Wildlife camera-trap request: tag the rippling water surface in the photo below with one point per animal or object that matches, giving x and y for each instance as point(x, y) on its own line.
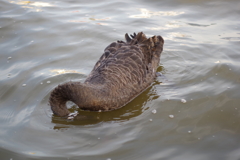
point(197, 105)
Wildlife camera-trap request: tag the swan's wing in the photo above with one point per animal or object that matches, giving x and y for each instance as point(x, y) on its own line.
point(109, 52)
point(128, 63)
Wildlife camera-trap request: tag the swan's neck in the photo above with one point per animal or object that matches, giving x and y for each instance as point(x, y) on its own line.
point(84, 95)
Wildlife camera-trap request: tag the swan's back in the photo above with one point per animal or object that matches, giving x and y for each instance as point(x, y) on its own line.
point(127, 68)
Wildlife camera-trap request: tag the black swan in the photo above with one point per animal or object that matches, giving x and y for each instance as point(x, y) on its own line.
point(124, 71)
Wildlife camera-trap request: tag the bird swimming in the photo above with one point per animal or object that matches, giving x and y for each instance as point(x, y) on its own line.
point(124, 71)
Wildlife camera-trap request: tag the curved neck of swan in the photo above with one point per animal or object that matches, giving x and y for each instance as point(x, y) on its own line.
point(79, 93)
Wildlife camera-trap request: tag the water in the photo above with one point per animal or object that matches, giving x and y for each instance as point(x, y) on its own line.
point(196, 106)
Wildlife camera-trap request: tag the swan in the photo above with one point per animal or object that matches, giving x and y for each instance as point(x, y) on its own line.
point(124, 71)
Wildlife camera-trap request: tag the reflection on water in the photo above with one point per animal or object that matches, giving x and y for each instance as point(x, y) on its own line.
point(90, 19)
point(167, 26)
point(35, 6)
point(31, 3)
point(148, 14)
point(232, 38)
point(63, 71)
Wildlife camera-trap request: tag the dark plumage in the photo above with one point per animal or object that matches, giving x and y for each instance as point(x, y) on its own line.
point(123, 71)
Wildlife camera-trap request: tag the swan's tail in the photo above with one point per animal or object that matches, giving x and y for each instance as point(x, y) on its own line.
point(152, 45)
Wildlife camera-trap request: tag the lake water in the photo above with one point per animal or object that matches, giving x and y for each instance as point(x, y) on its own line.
point(192, 113)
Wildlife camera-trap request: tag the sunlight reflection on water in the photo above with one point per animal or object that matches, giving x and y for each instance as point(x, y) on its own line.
point(148, 14)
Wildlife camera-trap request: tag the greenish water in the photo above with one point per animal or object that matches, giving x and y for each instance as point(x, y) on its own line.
point(43, 44)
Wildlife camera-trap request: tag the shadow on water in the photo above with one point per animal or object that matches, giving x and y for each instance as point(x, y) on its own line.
point(131, 110)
